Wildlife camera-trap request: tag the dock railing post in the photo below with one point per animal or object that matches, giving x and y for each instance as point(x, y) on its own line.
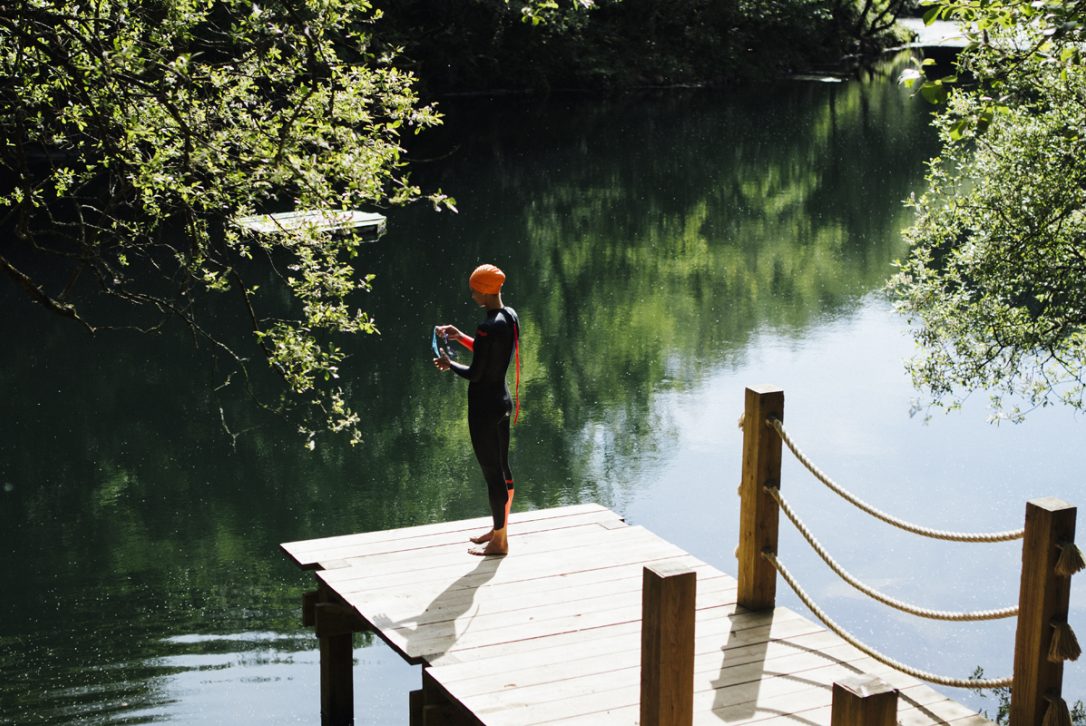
point(668, 602)
point(1043, 599)
point(758, 512)
point(863, 701)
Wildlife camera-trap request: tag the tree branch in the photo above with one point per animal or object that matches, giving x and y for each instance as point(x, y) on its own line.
point(38, 294)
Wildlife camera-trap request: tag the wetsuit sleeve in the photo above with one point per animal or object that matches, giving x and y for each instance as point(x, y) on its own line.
point(482, 348)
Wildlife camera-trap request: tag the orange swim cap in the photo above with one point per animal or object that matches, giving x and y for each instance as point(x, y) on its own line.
point(487, 279)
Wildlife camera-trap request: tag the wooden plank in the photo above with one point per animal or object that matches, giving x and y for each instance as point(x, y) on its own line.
point(531, 591)
point(917, 695)
point(800, 693)
point(781, 693)
point(305, 553)
point(481, 627)
point(589, 583)
point(752, 648)
point(462, 570)
point(422, 530)
point(434, 604)
point(779, 696)
point(553, 545)
point(789, 712)
point(790, 709)
point(740, 629)
point(620, 688)
point(475, 573)
point(944, 711)
point(452, 537)
point(504, 628)
point(487, 577)
point(711, 669)
point(458, 539)
point(718, 591)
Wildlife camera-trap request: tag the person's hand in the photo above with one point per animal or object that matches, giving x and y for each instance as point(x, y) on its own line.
point(442, 363)
point(449, 331)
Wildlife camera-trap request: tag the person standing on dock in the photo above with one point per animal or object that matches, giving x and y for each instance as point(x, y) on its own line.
point(496, 343)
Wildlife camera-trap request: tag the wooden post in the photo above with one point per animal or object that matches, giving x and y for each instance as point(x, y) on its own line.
point(435, 706)
point(863, 701)
point(1043, 598)
point(414, 708)
point(309, 601)
point(758, 512)
point(335, 625)
point(668, 597)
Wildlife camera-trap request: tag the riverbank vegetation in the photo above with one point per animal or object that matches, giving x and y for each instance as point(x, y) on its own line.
point(135, 131)
point(593, 44)
point(995, 285)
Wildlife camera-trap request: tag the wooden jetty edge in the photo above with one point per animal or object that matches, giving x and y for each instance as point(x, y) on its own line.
point(588, 621)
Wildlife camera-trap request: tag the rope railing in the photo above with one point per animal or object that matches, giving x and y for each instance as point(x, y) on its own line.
point(1049, 558)
point(1007, 536)
point(875, 594)
point(974, 683)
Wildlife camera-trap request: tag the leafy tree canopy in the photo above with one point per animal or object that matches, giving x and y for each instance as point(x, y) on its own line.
point(135, 130)
point(995, 285)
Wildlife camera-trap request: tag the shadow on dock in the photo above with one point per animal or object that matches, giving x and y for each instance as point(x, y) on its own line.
point(439, 625)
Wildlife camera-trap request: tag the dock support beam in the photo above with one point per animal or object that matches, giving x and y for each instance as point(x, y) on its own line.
point(1043, 599)
point(335, 625)
point(668, 602)
point(431, 706)
point(758, 512)
point(863, 701)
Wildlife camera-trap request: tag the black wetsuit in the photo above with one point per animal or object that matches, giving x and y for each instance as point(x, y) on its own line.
point(489, 405)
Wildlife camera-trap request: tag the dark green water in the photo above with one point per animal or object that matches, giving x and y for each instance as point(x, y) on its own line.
point(664, 251)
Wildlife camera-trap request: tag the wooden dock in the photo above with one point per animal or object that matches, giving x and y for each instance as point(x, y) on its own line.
point(552, 633)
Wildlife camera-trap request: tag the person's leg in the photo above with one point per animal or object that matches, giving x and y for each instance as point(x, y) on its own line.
point(486, 441)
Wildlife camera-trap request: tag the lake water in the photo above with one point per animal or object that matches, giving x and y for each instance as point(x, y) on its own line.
point(664, 251)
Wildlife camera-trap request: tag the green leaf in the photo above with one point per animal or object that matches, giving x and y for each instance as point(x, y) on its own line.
point(934, 92)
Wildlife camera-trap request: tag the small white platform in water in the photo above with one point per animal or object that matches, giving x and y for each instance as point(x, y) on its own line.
point(324, 220)
point(939, 34)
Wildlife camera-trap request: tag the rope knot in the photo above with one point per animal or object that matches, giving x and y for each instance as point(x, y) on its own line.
point(1070, 561)
point(1057, 713)
point(1064, 644)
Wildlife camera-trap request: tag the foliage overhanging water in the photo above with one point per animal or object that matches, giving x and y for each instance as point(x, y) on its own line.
point(664, 251)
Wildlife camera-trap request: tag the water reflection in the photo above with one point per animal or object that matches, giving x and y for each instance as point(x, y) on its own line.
point(663, 250)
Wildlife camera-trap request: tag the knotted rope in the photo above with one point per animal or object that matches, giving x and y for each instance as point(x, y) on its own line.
point(875, 594)
point(1007, 536)
point(975, 683)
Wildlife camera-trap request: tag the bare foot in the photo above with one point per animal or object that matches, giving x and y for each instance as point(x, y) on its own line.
point(483, 538)
point(493, 549)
